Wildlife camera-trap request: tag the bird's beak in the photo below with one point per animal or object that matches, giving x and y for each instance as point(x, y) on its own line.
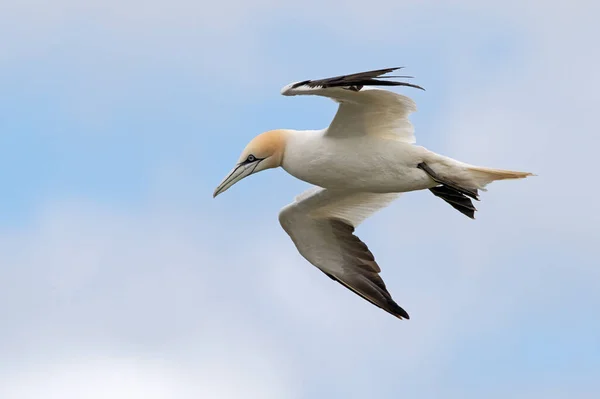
point(241, 171)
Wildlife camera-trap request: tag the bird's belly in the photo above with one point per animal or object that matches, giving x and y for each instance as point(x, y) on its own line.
point(373, 180)
point(381, 169)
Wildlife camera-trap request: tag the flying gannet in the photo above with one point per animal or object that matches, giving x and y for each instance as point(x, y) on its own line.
point(360, 164)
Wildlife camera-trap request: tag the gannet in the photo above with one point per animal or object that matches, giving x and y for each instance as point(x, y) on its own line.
point(358, 165)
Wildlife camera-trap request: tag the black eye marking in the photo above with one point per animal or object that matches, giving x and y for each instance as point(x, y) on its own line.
point(251, 159)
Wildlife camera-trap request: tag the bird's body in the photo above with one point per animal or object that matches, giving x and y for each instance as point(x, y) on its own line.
point(360, 163)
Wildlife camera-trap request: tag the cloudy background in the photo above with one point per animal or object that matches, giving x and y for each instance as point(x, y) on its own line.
point(120, 276)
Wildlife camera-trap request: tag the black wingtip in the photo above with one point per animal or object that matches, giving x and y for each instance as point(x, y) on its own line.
point(398, 77)
point(386, 69)
point(356, 81)
point(397, 311)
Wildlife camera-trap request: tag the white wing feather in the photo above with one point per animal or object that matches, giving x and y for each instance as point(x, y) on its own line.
point(321, 223)
point(369, 111)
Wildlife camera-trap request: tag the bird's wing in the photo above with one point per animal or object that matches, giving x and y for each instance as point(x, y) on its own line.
point(362, 109)
point(321, 224)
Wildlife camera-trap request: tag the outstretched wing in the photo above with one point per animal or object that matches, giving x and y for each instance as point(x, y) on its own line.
point(321, 224)
point(363, 109)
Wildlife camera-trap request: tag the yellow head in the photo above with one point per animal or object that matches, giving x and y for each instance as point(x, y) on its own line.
point(265, 151)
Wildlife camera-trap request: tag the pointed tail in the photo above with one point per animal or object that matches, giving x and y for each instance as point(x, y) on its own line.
point(459, 182)
point(481, 176)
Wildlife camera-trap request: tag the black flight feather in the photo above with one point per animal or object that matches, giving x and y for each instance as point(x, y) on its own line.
point(356, 81)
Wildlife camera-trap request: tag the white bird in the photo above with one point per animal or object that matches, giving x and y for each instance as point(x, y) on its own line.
point(360, 163)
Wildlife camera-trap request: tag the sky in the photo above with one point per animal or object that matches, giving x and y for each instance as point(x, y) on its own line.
point(121, 276)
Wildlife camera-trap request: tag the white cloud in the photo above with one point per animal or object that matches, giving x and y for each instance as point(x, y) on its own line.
point(102, 376)
point(88, 294)
point(170, 301)
point(230, 38)
point(91, 290)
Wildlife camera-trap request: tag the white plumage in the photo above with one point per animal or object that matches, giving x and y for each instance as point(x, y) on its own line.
point(360, 163)
point(370, 111)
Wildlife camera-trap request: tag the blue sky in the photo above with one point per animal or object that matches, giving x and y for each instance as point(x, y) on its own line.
point(120, 276)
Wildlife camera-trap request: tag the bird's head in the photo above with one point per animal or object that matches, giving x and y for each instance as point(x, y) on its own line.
point(265, 151)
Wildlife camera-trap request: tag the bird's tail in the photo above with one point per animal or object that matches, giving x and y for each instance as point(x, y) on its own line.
point(481, 177)
point(458, 182)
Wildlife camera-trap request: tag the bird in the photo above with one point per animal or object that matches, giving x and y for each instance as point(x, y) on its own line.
point(364, 160)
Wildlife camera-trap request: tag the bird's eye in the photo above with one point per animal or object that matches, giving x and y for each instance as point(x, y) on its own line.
point(251, 158)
